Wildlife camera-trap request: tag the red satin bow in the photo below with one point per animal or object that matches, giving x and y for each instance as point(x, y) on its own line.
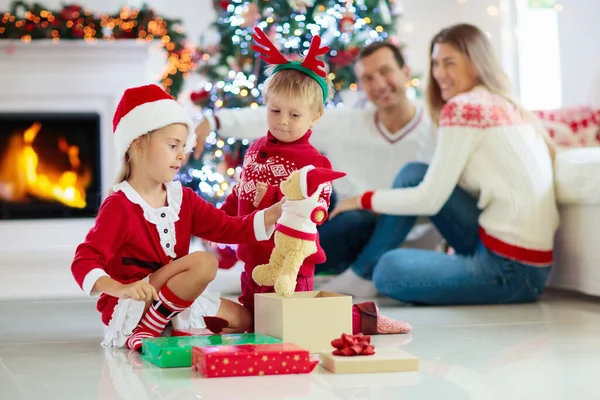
point(353, 345)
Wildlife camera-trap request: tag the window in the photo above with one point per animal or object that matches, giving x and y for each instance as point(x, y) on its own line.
point(538, 53)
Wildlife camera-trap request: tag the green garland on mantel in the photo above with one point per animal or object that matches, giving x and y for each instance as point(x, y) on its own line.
point(34, 21)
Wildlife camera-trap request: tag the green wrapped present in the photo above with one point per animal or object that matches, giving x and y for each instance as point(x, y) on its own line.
point(176, 351)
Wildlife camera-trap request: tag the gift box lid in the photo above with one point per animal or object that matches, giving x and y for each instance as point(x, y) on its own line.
point(175, 351)
point(254, 349)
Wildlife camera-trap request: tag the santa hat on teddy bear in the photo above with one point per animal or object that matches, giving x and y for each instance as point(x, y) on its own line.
point(144, 109)
point(313, 179)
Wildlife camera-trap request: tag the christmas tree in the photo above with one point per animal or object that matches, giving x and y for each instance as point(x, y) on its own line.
point(234, 74)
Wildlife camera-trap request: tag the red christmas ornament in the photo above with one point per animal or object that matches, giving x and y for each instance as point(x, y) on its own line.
point(346, 23)
point(345, 57)
point(199, 96)
point(70, 13)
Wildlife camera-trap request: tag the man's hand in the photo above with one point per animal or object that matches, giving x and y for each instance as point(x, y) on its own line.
point(202, 132)
point(349, 204)
point(261, 190)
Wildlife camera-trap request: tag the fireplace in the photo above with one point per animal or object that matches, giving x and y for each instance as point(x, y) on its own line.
point(49, 165)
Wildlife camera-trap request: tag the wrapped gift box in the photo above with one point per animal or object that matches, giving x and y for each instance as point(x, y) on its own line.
point(384, 360)
point(176, 351)
point(308, 319)
point(250, 360)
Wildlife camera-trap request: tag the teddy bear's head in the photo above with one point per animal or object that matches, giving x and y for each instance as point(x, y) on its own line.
point(308, 182)
point(290, 187)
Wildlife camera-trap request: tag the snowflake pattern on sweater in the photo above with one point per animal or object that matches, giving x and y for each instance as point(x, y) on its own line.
point(479, 109)
point(271, 161)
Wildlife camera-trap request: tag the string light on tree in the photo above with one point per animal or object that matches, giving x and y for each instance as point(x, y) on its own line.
point(234, 75)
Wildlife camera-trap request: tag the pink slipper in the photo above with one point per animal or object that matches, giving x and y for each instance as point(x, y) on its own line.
point(366, 319)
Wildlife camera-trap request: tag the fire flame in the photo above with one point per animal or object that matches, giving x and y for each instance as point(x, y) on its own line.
point(23, 174)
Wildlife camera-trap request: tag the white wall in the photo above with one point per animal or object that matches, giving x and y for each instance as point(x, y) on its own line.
point(427, 17)
point(579, 41)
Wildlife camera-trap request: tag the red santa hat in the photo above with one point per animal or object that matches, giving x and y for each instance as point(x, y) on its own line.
point(312, 178)
point(146, 108)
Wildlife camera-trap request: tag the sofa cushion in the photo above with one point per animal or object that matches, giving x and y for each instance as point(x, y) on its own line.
point(577, 176)
point(572, 126)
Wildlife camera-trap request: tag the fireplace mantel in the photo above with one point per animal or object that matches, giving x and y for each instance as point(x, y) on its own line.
point(68, 76)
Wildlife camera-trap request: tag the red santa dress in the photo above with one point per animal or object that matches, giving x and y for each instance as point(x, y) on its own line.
point(130, 240)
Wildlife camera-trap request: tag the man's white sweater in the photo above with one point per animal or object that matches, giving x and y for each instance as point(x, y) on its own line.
point(354, 141)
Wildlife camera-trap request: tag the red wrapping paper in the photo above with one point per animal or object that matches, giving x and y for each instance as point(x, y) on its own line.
point(250, 360)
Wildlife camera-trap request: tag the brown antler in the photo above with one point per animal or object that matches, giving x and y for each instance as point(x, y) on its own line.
point(267, 50)
point(311, 62)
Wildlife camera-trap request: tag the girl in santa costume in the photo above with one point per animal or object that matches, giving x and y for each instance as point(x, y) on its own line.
point(136, 257)
point(295, 95)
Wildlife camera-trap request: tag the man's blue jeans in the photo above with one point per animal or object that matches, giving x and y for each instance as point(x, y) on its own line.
point(344, 237)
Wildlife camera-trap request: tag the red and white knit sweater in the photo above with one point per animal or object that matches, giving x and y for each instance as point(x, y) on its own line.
point(271, 161)
point(485, 146)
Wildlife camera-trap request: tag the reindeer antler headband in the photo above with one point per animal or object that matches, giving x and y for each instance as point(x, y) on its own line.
point(311, 66)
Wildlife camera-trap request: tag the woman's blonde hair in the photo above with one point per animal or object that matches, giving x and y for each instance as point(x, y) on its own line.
point(296, 84)
point(475, 45)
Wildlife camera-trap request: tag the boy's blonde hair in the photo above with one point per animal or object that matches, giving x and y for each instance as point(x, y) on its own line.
point(296, 84)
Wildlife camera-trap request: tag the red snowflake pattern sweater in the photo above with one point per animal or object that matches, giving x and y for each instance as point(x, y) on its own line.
point(271, 161)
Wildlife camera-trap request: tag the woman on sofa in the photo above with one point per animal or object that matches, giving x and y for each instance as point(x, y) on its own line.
point(489, 190)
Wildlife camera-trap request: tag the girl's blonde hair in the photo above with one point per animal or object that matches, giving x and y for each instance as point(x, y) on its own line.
point(475, 45)
point(296, 84)
point(125, 170)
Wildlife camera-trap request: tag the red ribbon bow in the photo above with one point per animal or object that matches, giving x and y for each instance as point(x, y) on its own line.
point(353, 345)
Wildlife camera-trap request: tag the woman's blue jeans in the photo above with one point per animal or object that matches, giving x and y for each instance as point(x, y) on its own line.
point(474, 275)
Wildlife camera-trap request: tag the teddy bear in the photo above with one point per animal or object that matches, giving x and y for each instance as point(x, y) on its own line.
point(296, 230)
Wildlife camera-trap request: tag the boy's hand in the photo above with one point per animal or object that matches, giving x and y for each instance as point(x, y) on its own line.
point(261, 190)
point(139, 291)
point(202, 131)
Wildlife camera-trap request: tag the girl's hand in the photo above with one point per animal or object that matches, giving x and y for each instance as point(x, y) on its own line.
point(349, 204)
point(139, 291)
point(273, 213)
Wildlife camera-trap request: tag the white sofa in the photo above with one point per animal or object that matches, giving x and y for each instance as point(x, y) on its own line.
point(577, 168)
point(577, 265)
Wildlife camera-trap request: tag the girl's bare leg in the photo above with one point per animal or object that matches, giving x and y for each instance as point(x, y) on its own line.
point(178, 284)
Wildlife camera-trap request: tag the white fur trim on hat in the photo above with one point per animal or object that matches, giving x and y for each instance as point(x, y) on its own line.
point(304, 180)
point(148, 117)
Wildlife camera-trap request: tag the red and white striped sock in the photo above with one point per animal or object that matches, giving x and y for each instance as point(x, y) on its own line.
point(157, 317)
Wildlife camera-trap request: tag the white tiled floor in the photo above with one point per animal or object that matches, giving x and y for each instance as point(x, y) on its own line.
point(549, 350)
